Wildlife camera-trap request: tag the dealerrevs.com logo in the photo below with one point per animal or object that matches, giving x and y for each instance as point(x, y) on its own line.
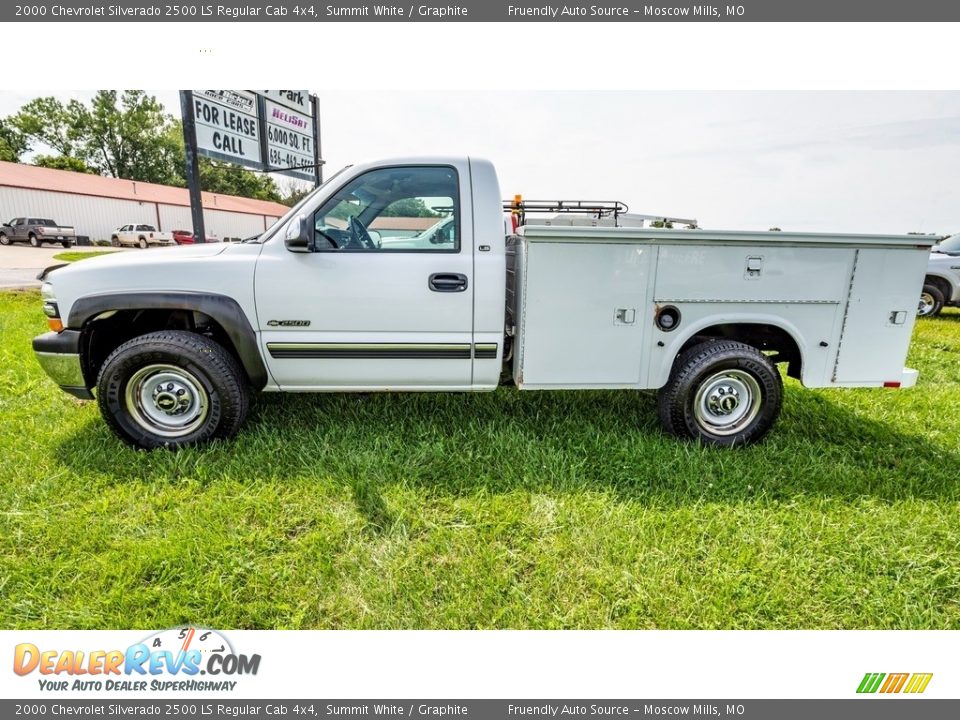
point(180, 659)
point(890, 683)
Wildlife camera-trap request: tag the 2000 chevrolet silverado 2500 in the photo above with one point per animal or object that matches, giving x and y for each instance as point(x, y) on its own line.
point(173, 345)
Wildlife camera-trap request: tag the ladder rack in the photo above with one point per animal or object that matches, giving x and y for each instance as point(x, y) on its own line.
point(614, 210)
point(595, 208)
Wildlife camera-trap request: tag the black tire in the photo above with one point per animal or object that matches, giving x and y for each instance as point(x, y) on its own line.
point(35, 241)
point(931, 301)
point(66, 244)
point(210, 377)
point(115, 241)
point(4, 240)
point(718, 381)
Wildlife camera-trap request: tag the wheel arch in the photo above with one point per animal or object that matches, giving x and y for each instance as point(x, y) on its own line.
point(107, 320)
point(942, 283)
point(762, 332)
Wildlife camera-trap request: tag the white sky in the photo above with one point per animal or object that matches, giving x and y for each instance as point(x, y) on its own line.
point(845, 161)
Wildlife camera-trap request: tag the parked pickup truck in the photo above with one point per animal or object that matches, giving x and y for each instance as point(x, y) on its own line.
point(941, 286)
point(171, 348)
point(36, 231)
point(140, 235)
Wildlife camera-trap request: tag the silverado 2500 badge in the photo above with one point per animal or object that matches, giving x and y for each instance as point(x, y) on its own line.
point(288, 323)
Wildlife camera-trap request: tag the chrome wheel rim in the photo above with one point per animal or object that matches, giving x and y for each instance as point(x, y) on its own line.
point(166, 400)
point(727, 402)
point(926, 304)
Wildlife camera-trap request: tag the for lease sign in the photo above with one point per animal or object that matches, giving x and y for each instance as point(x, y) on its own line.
point(228, 126)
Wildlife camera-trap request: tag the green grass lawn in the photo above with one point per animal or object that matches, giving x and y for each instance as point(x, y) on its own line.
point(74, 255)
point(522, 510)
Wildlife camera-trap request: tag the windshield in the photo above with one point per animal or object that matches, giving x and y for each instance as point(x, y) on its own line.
point(951, 245)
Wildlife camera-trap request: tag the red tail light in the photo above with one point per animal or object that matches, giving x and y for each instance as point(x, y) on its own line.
point(892, 384)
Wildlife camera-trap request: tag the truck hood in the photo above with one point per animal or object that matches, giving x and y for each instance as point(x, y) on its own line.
point(208, 268)
point(142, 258)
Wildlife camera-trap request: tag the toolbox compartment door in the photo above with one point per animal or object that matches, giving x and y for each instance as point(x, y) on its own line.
point(585, 313)
point(880, 316)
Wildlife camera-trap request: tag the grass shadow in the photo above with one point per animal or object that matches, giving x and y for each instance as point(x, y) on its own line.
point(594, 441)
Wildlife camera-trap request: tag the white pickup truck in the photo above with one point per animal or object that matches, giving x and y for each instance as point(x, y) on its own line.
point(140, 235)
point(173, 347)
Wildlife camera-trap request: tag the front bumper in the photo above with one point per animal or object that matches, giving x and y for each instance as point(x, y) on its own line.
point(59, 356)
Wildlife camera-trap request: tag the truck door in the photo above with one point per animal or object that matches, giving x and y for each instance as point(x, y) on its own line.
point(385, 300)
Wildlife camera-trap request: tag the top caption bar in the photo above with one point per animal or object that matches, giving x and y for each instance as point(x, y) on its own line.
point(485, 11)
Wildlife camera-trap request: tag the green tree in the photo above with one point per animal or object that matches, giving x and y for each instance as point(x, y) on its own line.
point(48, 121)
point(63, 162)
point(123, 134)
point(409, 207)
point(13, 143)
point(293, 194)
point(127, 135)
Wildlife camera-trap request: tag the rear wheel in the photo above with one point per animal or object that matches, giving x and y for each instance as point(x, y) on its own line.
point(34, 241)
point(143, 243)
point(66, 244)
point(721, 392)
point(931, 301)
point(4, 240)
point(171, 389)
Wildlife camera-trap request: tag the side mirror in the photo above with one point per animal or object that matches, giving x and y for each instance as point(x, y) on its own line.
point(298, 236)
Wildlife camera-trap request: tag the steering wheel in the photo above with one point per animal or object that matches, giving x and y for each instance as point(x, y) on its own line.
point(360, 234)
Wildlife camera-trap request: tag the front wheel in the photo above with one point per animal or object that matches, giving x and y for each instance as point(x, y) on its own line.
point(172, 389)
point(931, 301)
point(115, 241)
point(721, 392)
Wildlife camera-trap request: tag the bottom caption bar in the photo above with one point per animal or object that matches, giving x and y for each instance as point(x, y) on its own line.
point(874, 708)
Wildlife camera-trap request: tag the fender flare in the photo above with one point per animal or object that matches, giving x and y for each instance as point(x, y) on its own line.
point(735, 319)
point(939, 275)
point(225, 310)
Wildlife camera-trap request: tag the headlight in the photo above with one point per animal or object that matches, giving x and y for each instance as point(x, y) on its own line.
point(46, 291)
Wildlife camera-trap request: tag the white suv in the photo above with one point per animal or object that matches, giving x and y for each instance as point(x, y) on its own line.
point(941, 287)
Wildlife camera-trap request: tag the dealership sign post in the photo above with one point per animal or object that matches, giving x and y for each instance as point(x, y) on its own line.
point(264, 130)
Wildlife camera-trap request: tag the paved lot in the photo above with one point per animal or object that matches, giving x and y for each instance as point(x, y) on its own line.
point(19, 264)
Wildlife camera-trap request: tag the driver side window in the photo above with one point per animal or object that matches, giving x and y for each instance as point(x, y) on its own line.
point(398, 209)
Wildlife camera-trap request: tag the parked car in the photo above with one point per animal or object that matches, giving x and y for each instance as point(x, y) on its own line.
point(36, 231)
point(185, 237)
point(941, 286)
point(140, 235)
point(174, 345)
